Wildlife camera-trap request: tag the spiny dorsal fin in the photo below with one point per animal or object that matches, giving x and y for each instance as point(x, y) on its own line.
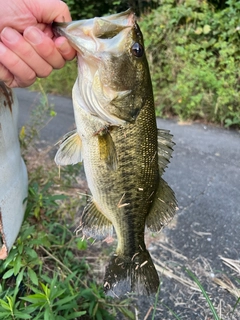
point(70, 151)
point(94, 223)
point(163, 207)
point(107, 150)
point(165, 145)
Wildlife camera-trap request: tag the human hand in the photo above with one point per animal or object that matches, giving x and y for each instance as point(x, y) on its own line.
point(28, 48)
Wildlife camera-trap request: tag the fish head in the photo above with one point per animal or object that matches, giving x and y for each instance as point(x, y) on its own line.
point(113, 75)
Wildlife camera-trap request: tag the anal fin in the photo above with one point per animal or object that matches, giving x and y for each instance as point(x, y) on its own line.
point(163, 207)
point(70, 151)
point(94, 223)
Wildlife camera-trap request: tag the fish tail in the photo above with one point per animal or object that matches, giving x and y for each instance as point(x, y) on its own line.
point(135, 274)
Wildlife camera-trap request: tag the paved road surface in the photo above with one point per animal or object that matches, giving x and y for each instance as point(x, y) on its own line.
point(205, 175)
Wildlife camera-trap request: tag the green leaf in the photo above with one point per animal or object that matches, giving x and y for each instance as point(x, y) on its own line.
point(88, 294)
point(33, 276)
point(199, 30)
point(65, 300)
point(45, 289)
point(206, 29)
point(56, 293)
point(20, 248)
point(4, 315)
point(48, 315)
point(82, 244)
point(76, 315)
point(22, 315)
point(31, 253)
point(5, 305)
point(8, 274)
point(38, 299)
point(129, 314)
point(20, 277)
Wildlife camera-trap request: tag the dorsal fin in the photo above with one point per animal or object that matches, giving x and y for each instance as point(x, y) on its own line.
point(165, 145)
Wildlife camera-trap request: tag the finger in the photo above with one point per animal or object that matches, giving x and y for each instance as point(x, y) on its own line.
point(47, 11)
point(44, 46)
point(5, 75)
point(23, 75)
point(17, 44)
point(45, 28)
point(64, 48)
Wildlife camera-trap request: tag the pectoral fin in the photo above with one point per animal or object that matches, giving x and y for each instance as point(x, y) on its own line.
point(163, 207)
point(70, 151)
point(165, 145)
point(94, 223)
point(107, 150)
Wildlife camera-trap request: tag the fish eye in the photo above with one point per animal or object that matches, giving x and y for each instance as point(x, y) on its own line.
point(137, 50)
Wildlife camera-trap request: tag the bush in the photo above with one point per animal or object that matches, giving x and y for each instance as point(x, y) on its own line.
point(193, 52)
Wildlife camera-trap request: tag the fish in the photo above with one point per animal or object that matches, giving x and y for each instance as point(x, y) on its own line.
point(123, 153)
point(13, 172)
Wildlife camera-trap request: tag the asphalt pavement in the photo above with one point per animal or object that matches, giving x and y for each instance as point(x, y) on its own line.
point(205, 174)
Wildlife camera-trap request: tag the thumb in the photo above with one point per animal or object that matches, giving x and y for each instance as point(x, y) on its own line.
point(47, 11)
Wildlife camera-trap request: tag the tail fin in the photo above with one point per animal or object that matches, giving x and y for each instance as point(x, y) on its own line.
point(135, 274)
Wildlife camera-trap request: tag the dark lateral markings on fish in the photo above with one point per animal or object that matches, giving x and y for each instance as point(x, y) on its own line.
point(123, 152)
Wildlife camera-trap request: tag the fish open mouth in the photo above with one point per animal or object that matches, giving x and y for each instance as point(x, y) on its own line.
point(98, 41)
point(92, 35)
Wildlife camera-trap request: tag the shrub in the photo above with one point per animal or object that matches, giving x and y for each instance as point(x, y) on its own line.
point(193, 52)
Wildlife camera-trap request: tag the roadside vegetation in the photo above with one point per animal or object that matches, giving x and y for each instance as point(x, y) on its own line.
point(193, 53)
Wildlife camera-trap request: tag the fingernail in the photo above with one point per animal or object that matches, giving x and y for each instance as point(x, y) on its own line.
point(33, 35)
point(10, 35)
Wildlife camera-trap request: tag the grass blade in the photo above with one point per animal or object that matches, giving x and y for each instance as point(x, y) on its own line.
point(156, 300)
point(171, 311)
point(195, 279)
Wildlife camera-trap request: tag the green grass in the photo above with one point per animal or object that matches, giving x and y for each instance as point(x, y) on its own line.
point(195, 279)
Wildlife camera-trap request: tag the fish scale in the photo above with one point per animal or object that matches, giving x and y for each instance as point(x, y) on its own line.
point(123, 152)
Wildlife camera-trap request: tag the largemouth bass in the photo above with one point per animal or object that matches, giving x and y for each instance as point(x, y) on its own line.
point(13, 172)
point(124, 154)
